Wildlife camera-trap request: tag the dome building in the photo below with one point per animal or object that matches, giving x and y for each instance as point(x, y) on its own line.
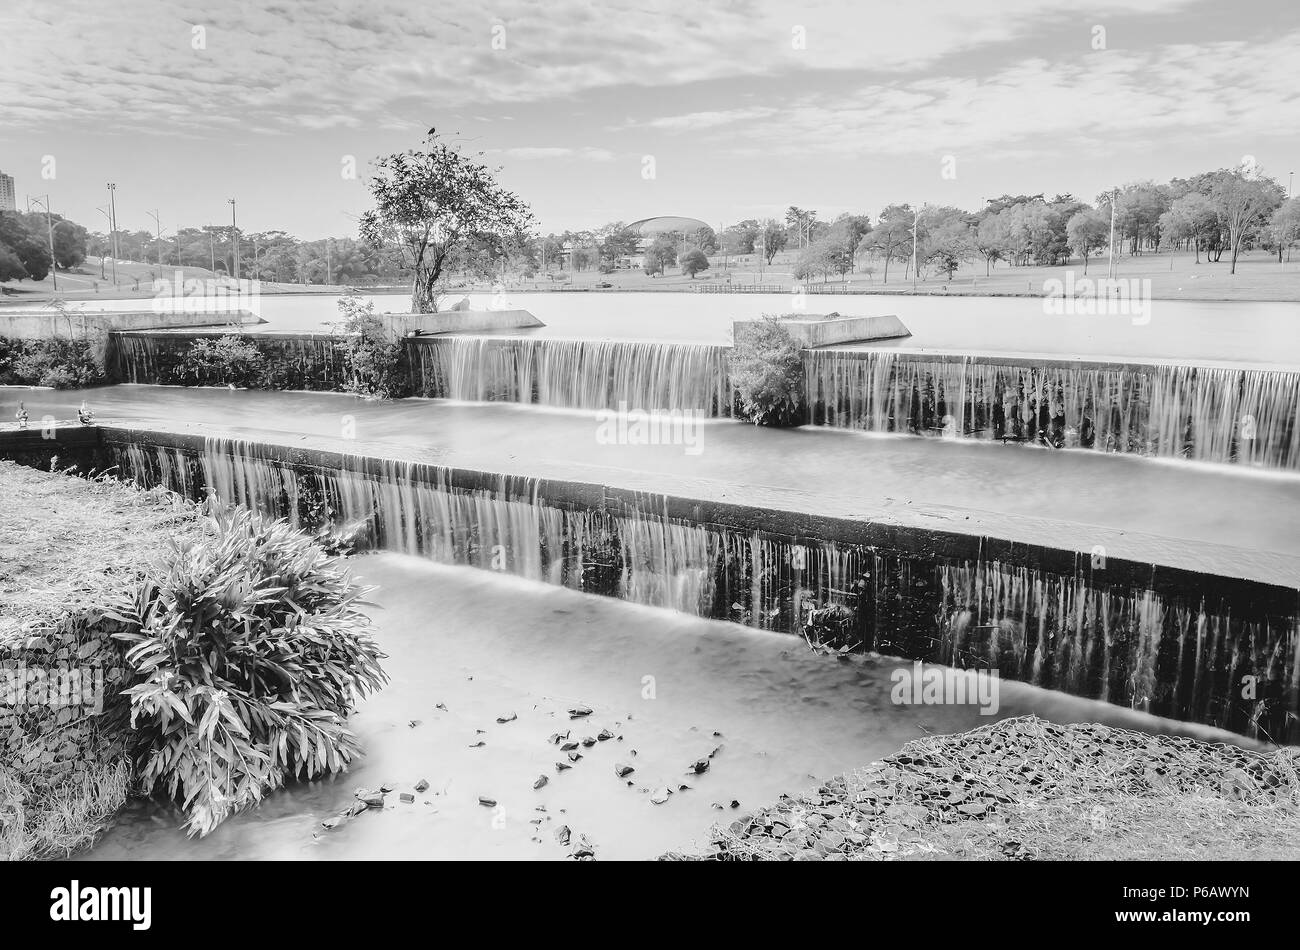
point(647, 229)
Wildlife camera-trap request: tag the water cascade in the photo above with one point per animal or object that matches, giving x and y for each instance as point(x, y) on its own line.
point(1211, 414)
point(1181, 654)
point(575, 374)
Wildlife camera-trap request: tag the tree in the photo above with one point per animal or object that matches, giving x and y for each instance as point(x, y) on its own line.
point(1286, 225)
point(1087, 231)
point(740, 237)
point(428, 202)
point(1191, 217)
point(11, 268)
point(774, 239)
point(993, 239)
point(31, 249)
point(694, 261)
point(892, 235)
point(849, 230)
point(1243, 204)
point(661, 253)
point(948, 242)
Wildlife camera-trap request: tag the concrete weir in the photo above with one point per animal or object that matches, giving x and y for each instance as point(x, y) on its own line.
point(1166, 640)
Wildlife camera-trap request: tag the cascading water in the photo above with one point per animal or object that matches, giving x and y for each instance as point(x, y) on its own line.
point(1211, 414)
point(575, 374)
point(1182, 655)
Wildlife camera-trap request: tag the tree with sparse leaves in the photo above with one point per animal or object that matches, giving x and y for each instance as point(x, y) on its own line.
point(428, 202)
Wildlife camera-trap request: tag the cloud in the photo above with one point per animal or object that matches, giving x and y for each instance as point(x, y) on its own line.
point(531, 152)
point(146, 64)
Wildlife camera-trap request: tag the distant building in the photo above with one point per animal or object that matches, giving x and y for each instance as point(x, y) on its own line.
point(647, 229)
point(8, 197)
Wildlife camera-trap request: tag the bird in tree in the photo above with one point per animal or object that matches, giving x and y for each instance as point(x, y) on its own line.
point(433, 203)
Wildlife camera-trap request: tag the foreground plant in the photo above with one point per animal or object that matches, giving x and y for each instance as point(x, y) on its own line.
point(251, 650)
point(371, 361)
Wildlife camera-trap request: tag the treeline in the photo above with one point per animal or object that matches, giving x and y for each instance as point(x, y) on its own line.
point(1213, 213)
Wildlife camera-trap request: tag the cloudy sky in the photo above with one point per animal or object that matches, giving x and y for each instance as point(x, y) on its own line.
point(744, 106)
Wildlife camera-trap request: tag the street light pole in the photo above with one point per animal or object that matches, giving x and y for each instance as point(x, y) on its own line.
point(234, 235)
point(157, 230)
point(54, 267)
point(112, 218)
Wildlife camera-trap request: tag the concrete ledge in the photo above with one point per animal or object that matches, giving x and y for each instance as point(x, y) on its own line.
point(828, 329)
point(79, 324)
point(459, 321)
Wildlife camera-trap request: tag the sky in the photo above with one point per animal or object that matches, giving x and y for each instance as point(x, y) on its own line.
point(603, 111)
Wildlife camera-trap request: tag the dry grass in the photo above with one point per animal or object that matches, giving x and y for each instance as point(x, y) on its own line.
point(63, 540)
point(1026, 789)
point(58, 823)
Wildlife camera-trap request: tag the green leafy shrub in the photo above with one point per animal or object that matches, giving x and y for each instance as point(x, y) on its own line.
point(372, 362)
point(227, 360)
point(58, 363)
point(249, 651)
point(767, 372)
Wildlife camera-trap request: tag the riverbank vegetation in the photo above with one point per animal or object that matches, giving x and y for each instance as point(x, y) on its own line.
point(1026, 789)
point(227, 649)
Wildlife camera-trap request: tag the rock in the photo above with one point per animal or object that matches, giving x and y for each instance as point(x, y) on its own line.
point(622, 769)
point(386, 788)
point(331, 823)
point(561, 766)
point(735, 804)
point(414, 723)
point(604, 735)
point(407, 798)
point(575, 756)
point(370, 798)
point(715, 752)
point(442, 706)
point(577, 712)
point(701, 766)
point(422, 785)
point(568, 746)
point(682, 787)
point(588, 741)
point(541, 780)
point(478, 745)
point(660, 795)
point(562, 834)
point(511, 718)
point(487, 802)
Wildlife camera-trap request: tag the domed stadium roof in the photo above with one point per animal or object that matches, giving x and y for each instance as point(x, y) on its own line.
point(653, 227)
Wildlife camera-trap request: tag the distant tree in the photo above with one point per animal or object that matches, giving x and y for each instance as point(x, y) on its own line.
point(11, 268)
point(661, 253)
point(430, 200)
point(31, 249)
point(849, 230)
point(948, 241)
point(774, 239)
point(1191, 217)
point(992, 239)
point(740, 237)
point(1286, 225)
point(693, 262)
point(1243, 205)
point(1088, 231)
point(892, 235)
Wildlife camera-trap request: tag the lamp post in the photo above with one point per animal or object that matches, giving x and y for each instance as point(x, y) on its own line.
point(234, 236)
point(49, 228)
point(157, 229)
point(112, 218)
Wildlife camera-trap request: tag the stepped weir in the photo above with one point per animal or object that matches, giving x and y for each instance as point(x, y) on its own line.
point(1173, 643)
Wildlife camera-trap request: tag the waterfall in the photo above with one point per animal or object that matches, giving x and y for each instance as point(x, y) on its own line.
point(576, 374)
point(1178, 654)
point(1211, 414)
